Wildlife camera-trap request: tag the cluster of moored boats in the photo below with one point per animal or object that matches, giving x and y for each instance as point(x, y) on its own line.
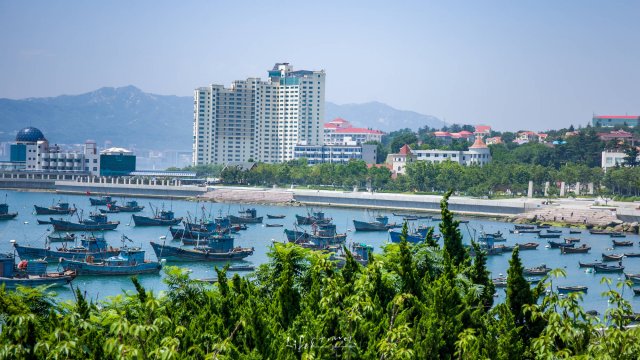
point(571, 245)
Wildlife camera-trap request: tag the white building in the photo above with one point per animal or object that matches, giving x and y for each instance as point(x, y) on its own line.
point(613, 158)
point(478, 154)
point(259, 120)
point(336, 154)
point(340, 131)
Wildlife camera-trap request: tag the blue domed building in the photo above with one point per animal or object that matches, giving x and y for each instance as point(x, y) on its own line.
point(30, 135)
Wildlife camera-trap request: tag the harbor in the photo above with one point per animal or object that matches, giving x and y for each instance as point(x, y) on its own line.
point(258, 237)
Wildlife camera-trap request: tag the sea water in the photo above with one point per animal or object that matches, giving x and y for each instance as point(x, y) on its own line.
point(25, 230)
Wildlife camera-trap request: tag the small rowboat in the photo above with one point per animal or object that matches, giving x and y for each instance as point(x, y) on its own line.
point(555, 245)
point(554, 231)
point(608, 268)
point(617, 235)
point(571, 289)
point(528, 246)
point(612, 257)
point(273, 225)
point(634, 278)
point(410, 218)
point(579, 250)
point(589, 265)
point(622, 243)
point(631, 255)
point(549, 236)
point(575, 231)
point(276, 216)
point(523, 227)
point(572, 240)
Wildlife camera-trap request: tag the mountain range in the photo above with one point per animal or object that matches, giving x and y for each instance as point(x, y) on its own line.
point(128, 117)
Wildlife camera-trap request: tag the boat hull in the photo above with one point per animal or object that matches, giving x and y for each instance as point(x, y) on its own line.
point(8, 216)
point(395, 237)
point(372, 226)
point(172, 253)
point(241, 220)
point(52, 256)
point(48, 280)
point(276, 216)
point(47, 211)
point(147, 221)
point(84, 268)
point(61, 225)
point(608, 269)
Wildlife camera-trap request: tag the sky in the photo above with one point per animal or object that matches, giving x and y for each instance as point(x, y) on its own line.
point(509, 64)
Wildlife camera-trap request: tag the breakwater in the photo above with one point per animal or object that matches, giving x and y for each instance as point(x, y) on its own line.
point(157, 190)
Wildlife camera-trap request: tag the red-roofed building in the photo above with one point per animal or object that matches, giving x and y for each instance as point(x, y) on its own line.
point(483, 130)
point(494, 140)
point(529, 136)
point(620, 135)
point(340, 131)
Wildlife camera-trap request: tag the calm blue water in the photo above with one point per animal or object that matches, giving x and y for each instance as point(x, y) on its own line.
point(25, 230)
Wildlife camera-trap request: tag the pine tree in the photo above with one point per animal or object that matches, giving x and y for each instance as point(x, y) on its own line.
point(480, 275)
point(452, 238)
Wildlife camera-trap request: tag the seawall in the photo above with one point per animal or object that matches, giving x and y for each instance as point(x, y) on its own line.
point(157, 191)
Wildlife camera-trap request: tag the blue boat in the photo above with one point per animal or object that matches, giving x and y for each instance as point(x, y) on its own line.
point(162, 218)
point(380, 224)
point(359, 251)
point(96, 222)
point(130, 261)
point(129, 206)
point(206, 241)
point(249, 216)
point(96, 247)
point(217, 249)
point(102, 201)
point(313, 218)
point(414, 238)
point(30, 273)
point(321, 234)
point(59, 209)
point(180, 234)
point(5, 214)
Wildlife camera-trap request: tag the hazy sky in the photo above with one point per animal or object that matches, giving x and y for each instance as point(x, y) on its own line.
point(510, 64)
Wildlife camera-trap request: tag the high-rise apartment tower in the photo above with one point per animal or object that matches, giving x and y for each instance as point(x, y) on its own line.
point(259, 120)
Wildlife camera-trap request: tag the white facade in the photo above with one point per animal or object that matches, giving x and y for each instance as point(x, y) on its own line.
point(41, 156)
point(469, 157)
point(259, 120)
point(336, 154)
point(612, 159)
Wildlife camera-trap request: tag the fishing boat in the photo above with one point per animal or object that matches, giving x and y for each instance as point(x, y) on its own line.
point(575, 231)
point(110, 210)
point(608, 268)
point(634, 278)
point(321, 235)
point(602, 232)
point(499, 282)
point(161, 218)
point(612, 257)
point(179, 234)
point(273, 225)
point(129, 206)
point(537, 271)
point(571, 289)
point(528, 246)
point(241, 268)
point(96, 222)
point(381, 223)
point(44, 222)
point(504, 248)
point(415, 237)
point(205, 240)
point(419, 217)
point(495, 237)
point(30, 273)
point(5, 214)
point(317, 217)
point(359, 251)
point(617, 235)
point(59, 209)
point(589, 265)
point(66, 238)
point(276, 216)
point(584, 248)
point(556, 245)
point(571, 239)
point(214, 251)
point(130, 261)
point(409, 218)
point(102, 201)
point(248, 216)
point(622, 243)
point(549, 231)
point(524, 227)
point(549, 236)
point(89, 246)
point(525, 231)
point(631, 255)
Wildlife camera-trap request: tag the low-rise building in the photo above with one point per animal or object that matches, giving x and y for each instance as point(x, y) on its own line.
point(336, 154)
point(613, 157)
point(478, 154)
point(339, 131)
point(617, 135)
point(615, 120)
